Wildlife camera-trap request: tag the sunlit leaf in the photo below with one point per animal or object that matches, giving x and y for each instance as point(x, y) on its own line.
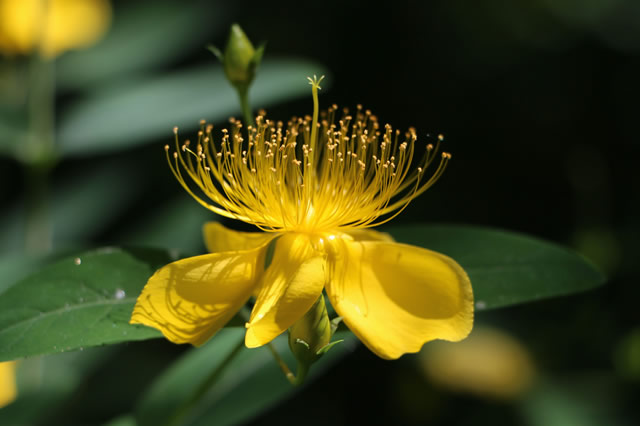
point(251, 384)
point(132, 113)
point(77, 302)
point(14, 267)
point(505, 268)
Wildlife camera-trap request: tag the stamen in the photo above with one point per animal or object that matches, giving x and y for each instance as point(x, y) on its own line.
point(321, 173)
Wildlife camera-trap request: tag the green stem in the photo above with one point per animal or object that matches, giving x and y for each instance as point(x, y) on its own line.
point(292, 378)
point(39, 153)
point(243, 94)
point(302, 371)
point(181, 412)
point(37, 220)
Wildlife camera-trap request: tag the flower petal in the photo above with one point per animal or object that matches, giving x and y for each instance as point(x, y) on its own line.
point(218, 239)
point(396, 297)
point(290, 286)
point(191, 299)
point(8, 389)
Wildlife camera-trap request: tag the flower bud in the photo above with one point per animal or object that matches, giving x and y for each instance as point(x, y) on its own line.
point(239, 59)
point(309, 337)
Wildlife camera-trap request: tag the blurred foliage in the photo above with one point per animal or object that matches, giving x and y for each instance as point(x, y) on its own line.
point(124, 115)
point(537, 100)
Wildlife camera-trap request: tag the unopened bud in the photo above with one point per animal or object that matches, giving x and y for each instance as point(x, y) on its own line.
point(310, 334)
point(240, 59)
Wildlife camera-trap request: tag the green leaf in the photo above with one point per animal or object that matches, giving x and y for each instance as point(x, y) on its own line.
point(135, 112)
point(144, 35)
point(252, 383)
point(505, 268)
point(77, 302)
point(15, 267)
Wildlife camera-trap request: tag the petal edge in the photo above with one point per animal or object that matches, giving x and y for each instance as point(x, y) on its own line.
point(396, 297)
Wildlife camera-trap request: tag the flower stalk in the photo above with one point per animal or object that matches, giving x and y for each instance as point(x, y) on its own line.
point(38, 154)
point(240, 61)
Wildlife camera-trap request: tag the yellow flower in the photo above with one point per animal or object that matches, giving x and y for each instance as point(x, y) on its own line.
point(489, 363)
point(52, 26)
point(8, 389)
point(316, 187)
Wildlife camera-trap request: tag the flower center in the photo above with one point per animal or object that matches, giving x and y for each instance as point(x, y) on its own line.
point(314, 175)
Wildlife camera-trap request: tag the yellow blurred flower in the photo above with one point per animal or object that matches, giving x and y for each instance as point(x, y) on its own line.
point(8, 389)
point(51, 26)
point(489, 363)
point(316, 188)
